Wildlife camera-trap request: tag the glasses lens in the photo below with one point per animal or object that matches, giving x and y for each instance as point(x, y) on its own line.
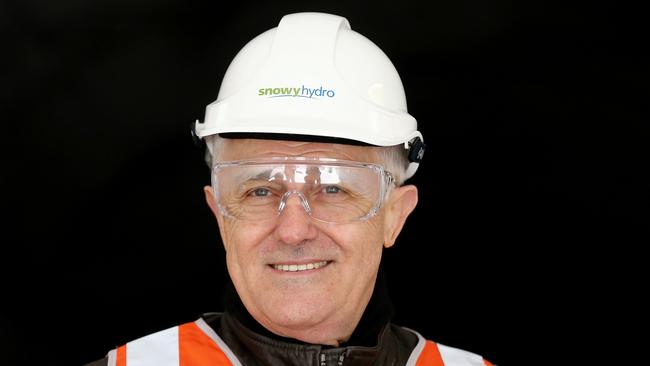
point(333, 193)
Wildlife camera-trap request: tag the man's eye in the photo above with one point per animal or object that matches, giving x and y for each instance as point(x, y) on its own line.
point(261, 192)
point(332, 189)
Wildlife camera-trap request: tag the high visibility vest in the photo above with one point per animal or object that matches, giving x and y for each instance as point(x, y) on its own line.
point(197, 344)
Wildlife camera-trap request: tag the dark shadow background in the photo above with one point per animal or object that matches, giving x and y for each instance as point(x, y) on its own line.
point(533, 195)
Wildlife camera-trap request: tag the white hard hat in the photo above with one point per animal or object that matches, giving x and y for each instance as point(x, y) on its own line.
point(314, 76)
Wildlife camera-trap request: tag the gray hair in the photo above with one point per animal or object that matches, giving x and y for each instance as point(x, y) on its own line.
point(394, 159)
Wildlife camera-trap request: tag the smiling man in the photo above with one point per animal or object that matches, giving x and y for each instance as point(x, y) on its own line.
point(303, 231)
point(307, 189)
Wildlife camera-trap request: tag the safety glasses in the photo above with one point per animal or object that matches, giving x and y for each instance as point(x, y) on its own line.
point(329, 190)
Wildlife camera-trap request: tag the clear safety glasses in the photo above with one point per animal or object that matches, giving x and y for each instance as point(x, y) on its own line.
point(329, 190)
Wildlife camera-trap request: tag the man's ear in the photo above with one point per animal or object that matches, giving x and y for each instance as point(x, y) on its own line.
point(400, 204)
point(209, 198)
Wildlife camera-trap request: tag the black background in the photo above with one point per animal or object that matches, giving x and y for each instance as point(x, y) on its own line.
point(533, 195)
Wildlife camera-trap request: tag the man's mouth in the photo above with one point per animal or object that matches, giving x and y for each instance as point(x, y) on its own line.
point(300, 267)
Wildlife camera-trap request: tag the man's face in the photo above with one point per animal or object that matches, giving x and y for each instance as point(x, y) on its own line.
point(319, 305)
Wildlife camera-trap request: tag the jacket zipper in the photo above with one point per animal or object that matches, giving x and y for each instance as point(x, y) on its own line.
point(341, 358)
point(323, 359)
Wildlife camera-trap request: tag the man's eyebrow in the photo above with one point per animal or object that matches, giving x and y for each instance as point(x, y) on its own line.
point(256, 175)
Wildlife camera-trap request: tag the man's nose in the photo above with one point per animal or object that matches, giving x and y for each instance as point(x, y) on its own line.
point(294, 223)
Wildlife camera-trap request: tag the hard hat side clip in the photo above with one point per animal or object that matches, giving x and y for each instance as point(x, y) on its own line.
point(416, 150)
point(198, 141)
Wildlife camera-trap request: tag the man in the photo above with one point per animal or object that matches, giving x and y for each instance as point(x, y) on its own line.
point(309, 143)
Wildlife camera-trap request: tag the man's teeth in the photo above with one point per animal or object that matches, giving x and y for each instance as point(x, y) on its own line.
point(299, 267)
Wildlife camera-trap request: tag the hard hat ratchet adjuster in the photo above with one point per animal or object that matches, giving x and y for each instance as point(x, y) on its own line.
point(416, 150)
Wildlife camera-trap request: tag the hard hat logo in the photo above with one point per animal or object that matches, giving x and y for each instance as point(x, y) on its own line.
point(301, 91)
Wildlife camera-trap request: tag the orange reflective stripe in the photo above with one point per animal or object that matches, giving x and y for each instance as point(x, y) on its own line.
point(197, 349)
point(120, 357)
point(430, 356)
point(487, 363)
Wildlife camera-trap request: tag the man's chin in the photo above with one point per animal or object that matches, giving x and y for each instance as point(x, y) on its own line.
point(296, 320)
point(309, 331)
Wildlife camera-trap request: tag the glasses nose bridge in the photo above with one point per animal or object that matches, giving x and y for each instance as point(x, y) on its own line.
point(303, 201)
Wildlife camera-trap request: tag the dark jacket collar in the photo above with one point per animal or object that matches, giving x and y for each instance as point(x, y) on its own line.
point(392, 347)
